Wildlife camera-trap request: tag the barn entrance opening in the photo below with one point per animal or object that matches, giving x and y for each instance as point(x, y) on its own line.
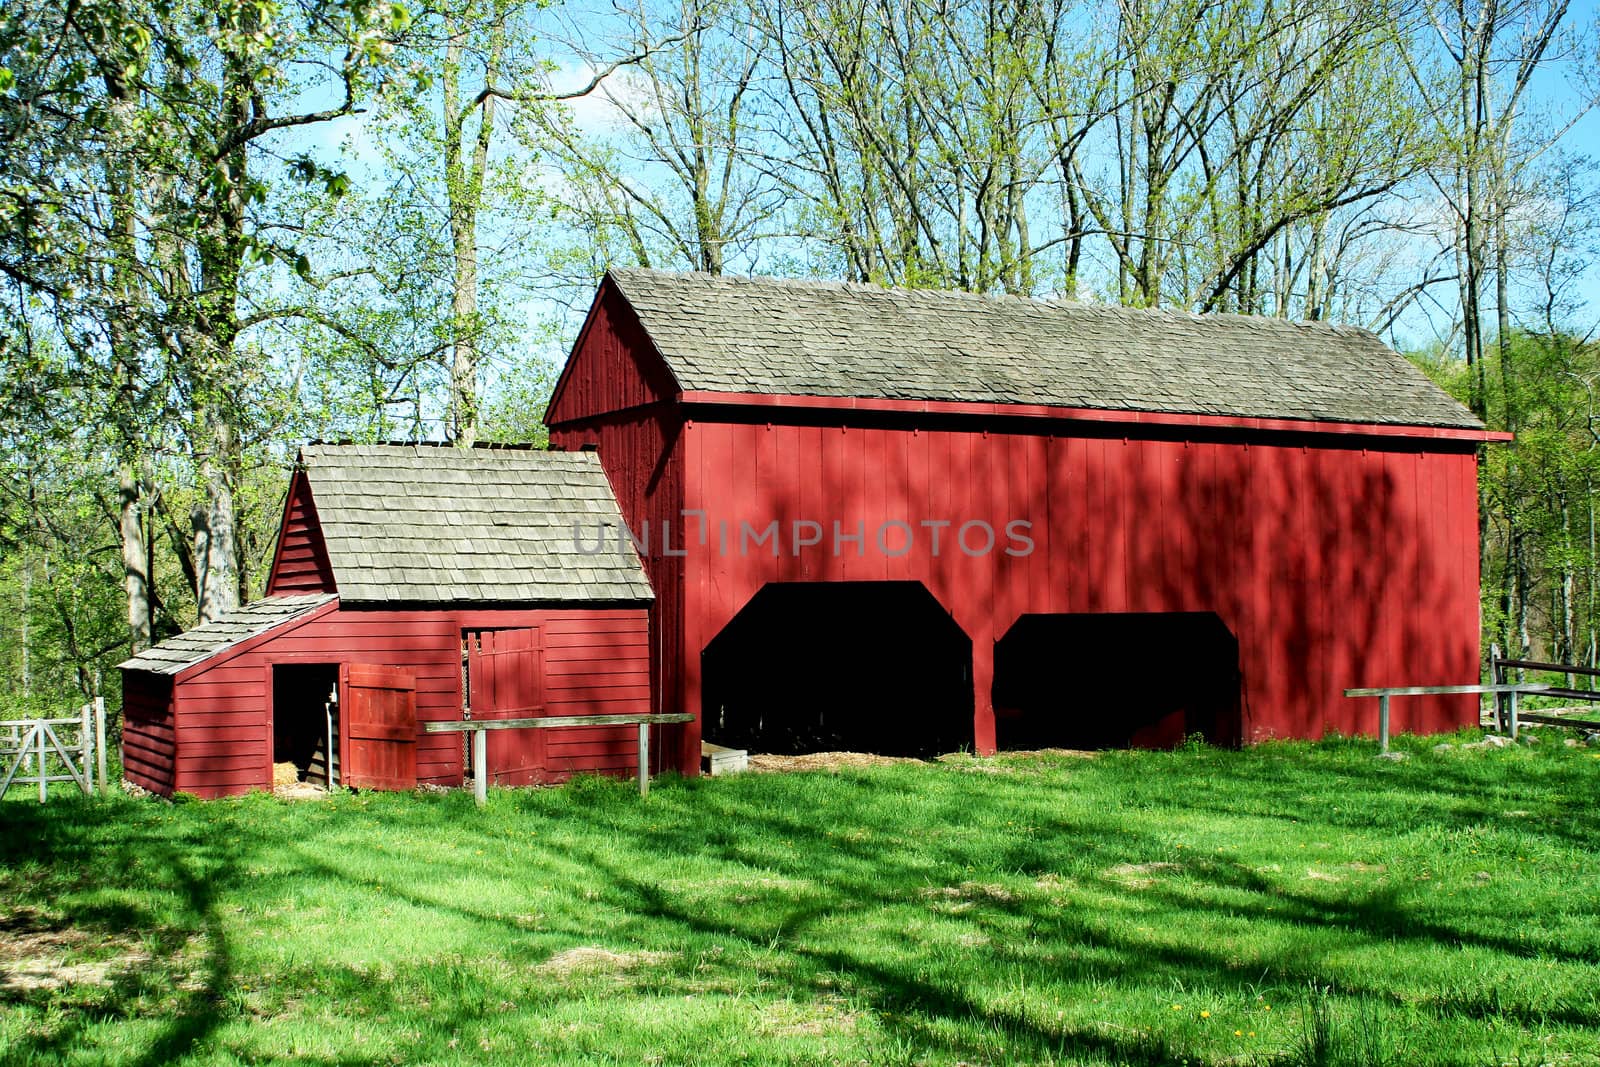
point(305, 722)
point(875, 667)
point(1116, 680)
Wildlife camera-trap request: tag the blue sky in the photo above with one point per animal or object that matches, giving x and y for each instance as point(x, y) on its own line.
point(1560, 91)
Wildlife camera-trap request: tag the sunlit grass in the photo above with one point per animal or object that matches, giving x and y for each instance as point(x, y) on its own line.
point(1288, 904)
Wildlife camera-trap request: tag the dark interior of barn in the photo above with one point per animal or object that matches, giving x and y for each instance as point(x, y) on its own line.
point(1098, 681)
point(840, 666)
point(305, 719)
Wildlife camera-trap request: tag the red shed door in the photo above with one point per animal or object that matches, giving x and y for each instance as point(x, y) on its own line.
point(505, 673)
point(380, 723)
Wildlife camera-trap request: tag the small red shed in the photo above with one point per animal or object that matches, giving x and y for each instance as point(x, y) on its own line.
point(913, 521)
point(410, 583)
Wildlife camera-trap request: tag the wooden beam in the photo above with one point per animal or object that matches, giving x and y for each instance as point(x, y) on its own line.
point(1557, 720)
point(551, 722)
point(1441, 690)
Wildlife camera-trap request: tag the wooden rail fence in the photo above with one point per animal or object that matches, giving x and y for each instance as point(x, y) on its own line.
point(1385, 694)
point(480, 747)
point(41, 751)
point(1502, 669)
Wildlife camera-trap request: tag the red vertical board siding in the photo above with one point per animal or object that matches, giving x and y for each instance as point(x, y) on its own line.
point(149, 743)
point(596, 661)
point(613, 395)
point(1328, 564)
point(301, 563)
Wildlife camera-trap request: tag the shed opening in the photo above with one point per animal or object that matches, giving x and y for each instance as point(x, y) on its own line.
point(1114, 680)
point(875, 667)
point(305, 720)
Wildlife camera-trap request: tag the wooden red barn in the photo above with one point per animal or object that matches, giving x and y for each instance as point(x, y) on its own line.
point(409, 583)
point(914, 521)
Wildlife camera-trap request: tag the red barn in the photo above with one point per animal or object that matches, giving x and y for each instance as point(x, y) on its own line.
point(913, 521)
point(409, 584)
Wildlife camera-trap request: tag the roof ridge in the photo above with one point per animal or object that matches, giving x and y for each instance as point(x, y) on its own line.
point(1052, 303)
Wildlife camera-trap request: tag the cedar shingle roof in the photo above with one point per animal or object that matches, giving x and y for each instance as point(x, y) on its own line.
point(206, 640)
point(419, 524)
point(761, 335)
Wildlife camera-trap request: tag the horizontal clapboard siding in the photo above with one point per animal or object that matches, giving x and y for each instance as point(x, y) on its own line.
point(149, 742)
point(596, 663)
point(302, 564)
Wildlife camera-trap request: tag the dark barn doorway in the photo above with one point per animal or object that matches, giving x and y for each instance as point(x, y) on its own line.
point(305, 720)
point(854, 666)
point(1116, 681)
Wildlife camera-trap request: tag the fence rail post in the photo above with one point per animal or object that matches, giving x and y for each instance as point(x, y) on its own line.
point(480, 766)
point(100, 740)
point(86, 746)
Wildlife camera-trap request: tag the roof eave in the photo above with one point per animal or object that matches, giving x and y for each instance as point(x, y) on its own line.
point(228, 652)
point(707, 399)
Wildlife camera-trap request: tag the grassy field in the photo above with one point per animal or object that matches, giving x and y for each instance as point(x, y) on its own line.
point(1290, 904)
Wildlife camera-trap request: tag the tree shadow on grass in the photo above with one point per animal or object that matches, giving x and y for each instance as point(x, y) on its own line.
point(79, 855)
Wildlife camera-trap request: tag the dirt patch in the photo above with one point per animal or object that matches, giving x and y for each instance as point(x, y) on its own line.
point(824, 761)
point(592, 959)
point(831, 1015)
point(299, 791)
point(833, 761)
point(971, 892)
point(1139, 875)
point(34, 953)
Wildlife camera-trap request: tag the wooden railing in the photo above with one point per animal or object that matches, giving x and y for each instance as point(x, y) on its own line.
point(1501, 668)
point(479, 728)
point(1384, 695)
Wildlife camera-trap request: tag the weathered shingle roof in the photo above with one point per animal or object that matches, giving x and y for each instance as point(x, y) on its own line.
point(406, 523)
point(759, 335)
point(206, 640)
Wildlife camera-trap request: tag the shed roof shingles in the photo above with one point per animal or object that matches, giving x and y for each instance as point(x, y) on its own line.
point(419, 524)
point(235, 627)
point(761, 335)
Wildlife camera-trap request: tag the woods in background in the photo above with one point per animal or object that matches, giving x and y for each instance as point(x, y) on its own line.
point(227, 227)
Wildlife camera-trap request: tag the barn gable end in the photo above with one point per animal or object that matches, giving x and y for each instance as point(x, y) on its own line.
point(614, 367)
point(300, 564)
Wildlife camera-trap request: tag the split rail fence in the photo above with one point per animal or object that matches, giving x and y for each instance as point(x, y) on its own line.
point(41, 751)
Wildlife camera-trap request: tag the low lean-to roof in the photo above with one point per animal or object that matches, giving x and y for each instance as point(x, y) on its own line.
point(174, 654)
point(423, 524)
point(723, 334)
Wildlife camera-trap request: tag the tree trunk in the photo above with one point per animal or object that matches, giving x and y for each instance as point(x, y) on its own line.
point(135, 559)
point(216, 589)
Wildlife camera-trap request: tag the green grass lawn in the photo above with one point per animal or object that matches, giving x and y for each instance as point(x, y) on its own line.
point(1287, 904)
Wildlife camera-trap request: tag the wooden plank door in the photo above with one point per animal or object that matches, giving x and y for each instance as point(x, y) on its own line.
point(379, 727)
point(505, 676)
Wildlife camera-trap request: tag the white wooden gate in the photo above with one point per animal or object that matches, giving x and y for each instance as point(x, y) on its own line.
point(41, 751)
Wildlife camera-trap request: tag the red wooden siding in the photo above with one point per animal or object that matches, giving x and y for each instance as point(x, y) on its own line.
point(1335, 565)
point(300, 564)
point(615, 376)
point(620, 370)
point(148, 740)
point(597, 662)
